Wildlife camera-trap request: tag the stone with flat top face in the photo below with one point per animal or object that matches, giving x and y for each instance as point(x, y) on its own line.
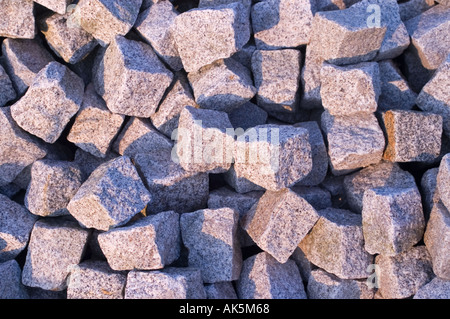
point(17, 19)
point(59, 6)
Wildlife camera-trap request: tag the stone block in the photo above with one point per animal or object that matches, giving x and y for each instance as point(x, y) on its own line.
point(429, 190)
point(443, 180)
point(220, 290)
point(59, 6)
point(11, 286)
point(226, 197)
point(17, 19)
point(239, 183)
point(437, 288)
point(317, 197)
point(246, 116)
point(7, 91)
point(412, 8)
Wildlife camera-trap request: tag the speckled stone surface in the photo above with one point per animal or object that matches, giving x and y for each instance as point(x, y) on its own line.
point(59, 6)
point(277, 79)
point(111, 196)
point(56, 246)
point(23, 59)
point(278, 222)
point(393, 220)
point(304, 265)
point(239, 183)
point(436, 236)
point(317, 197)
point(246, 116)
point(53, 98)
point(429, 190)
point(353, 141)
point(437, 288)
point(412, 8)
point(15, 228)
point(412, 136)
point(328, 5)
point(349, 90)
point(170, 283)
point(205, 35)
point(244, 55)
point(204, 141)
point(17, 19)
point(220, 290)
point(131, 78)
point(263, 277)
point(310, 79)
point(18, 149)
point(68, 40)
point(226, 197)
point(281, 24)
point(383, 174)
point(7, 91)
point(336, 244)
point(323, 285)
point(210, 235)
point(106, 19)
point(151, 242)
point(273, 156)
point(53, 184)
point(428, 35)
point(443, 180)
point(92, 117)
point(11, 286)
point(401, 276)
point(94, 279)
point(88, 162)
point(155, 26)
point(222, 85)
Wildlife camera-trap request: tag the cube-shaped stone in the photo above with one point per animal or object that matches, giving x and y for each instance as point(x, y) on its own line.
point(393, 220)
point(401, 276)
point(353, 141)
point(205, 35)
point(18, 149)
point(11, 286)
point(437, 288)
point(239, 183)
point(279, 24)
point(56, 246)
point(273, 156)
point(131, 78)
point(94, 279)
point(155, 26)
point(246, 116)
point(395, 90)
point(53, 98)
point(52, 186)
point(111, 196)
point(107, 19)
point(279, 221)
point(427, 32)
point(205, 140)
point(435, 98)
point(349, 90)
point(412, 8)
point(151, 242)
point(7, 91)
point(436, 238)
point(336, 244)
point(170, 283)
point(67, 39)
point(226, 197)
point(220, 290)
point(429, 190)
point(222, 86)
point(23, 59)
point(384, 174)
point(277, 79)
point(169, 185)
point(412, 136)
point(263, 277)
point(59, 6)
point(210, 235)
point(443, 180)
point(15, 229)
point(317, 197)
point(17, 19)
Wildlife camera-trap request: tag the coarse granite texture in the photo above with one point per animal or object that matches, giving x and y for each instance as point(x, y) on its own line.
point(17, 19)
point(429, 190)
point(59, 6)
point(443, 180)
point(412, 8)
point(7, 91)
point(246, 116)
point(437, 288)
point(220, 290)
point(11, 286)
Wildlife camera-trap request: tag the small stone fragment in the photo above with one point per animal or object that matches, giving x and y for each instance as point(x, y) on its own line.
point(110, 197)
point(220, 290)
point(11, 286)
point(7, 92)
point(94, 279)
point(17, 19)
point(56, 246)
point(263, 277)
point(437, 288)
point(210, 235)
point(53, 98)
point(443, 180)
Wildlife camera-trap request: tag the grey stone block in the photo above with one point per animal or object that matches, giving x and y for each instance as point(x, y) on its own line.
point(11, 286)
point(222, 85)
point(263, 277)
point(88, 162)
point(336, 244)
point(278, 222)
point(53, 98)
point(413, 69)
point(23, 59)
point(317, 197)
point(304, 265)
point(210, 235)
point(7, 91)
point(52, 186)
point(393, 220)
point(412, 136)
point(246, 116)
point(226, 197)
point(329, 5)
point(279, 24)
point(131, 78)
point(239, 183)
point(170, 283)
point(220, 290)
point(437, 288)
point(412, 8)
point(429, 190)
point(110, 197)
point(401, 276)
point(17, 223)
point(59, 6)
point(151, 242)
point(55, 247)
point(17, 19)
point(244, 55)
point(436, 236)
point(205, 35)
point(310, 80)
point(94, 279)
point(216, 3)
point(443, 180)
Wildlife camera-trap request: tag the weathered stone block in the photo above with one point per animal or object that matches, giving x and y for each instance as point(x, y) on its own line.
point(17, 19)
point(11, 286)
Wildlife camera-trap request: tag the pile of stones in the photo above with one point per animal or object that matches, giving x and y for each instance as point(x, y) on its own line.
point(225, 149)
